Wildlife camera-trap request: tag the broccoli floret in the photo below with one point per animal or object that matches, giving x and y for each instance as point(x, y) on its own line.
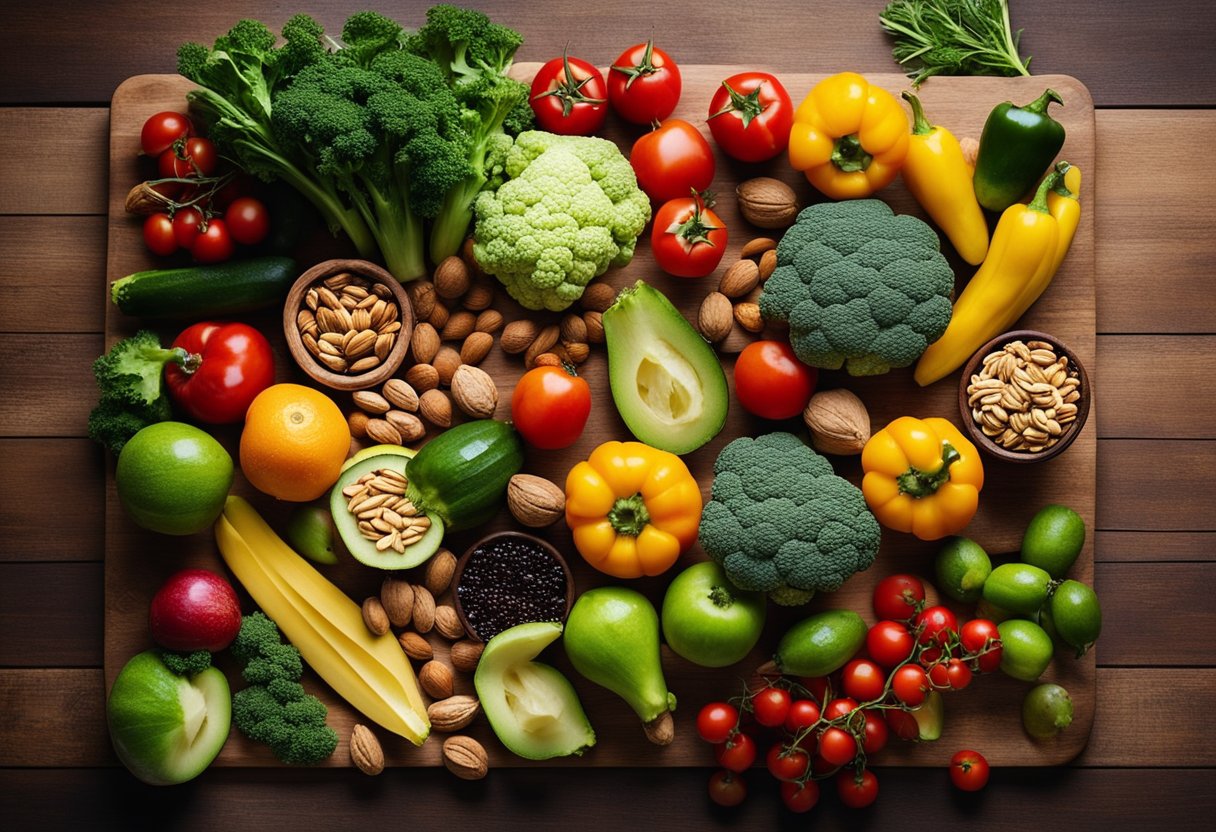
point(780, 521)
point(860, 287)
point(465, 43)
point(570, 209)
point(186, 664)
point(131, 379)
point(275, 709)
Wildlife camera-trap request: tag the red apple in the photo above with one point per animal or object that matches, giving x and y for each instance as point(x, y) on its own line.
point(195, 610)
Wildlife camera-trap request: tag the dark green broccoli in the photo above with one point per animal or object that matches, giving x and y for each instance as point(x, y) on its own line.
point(186, 664)
point(860, 287)
point(275, 709)
point(131, 379)
point(780, 521)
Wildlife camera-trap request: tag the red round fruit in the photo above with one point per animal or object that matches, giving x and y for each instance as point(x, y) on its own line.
point(672, 160)
point(751, 116)
point(550, 407)
point(187, 225)
point(980, 634)
point(644, 84)
point(247, 220)
point(569, 97)
point(936, 625)
point(771, 706)
point(902, 724)
point(876, 732)
point(787, 762)
point(863, 680)
point(717, 721)
point(800, 797)
point(820, 687)
point(737, 753)
point(198, 157)
point(726, 788)
point(771, 382)
point(896, 597)
point(910, 685)
point(857, 791)
point(158, 234)
point(969, 771)
point(162, 130)
point(688, 238)
point(214, 245)
point(889, 643)
point(837, 746)
point(803, 714)
point(839, 707)
point(195, 610)
point(951, 674)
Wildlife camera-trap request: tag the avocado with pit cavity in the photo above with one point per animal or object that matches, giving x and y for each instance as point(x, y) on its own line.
point(347, 524)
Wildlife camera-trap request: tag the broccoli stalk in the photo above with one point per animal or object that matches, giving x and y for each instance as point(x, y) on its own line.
point(131, 378)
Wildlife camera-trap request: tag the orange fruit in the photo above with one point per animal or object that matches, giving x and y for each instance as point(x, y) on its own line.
point(294, 442)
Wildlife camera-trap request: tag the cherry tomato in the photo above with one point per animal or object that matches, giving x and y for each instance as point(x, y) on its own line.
point(187, 223)
point(550, 406)
point(771, 382)
point(771, 706)
point(863, 680)
point(229, 364)
point(889, 643)
point(969, 771)
point(751, 116)
point(644, 84)
point(937, 625)
point(981, 634)
point(213, 245)
point(158, 234)
point(839, 707)
point(910, 685)
point(952, 674)
point(819, 687)
point(837, 746)
point(162, 130)
point(800, 797)
point(803, 714)
point(930, 656)
point(569, 97)
point(726, 788)
point(240, 185)
point(857, 791)
point(897, 596)
point(672, 160)
point(787, 762)
point(247, 220)
point(198, 157)
point(902, 724)
point(688, 238)
point(737, 753)
point(876, 732)
point(717, 721)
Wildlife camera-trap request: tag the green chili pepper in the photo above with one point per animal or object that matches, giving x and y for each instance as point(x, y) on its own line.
point(1017, 145)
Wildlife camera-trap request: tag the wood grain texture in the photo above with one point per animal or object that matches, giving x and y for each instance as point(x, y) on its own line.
point(54, 373)
point(1167, 545)
point(62, 292)
point(1151, 613)
point(74, 473)
point(53, 718)
point(1140, 707)
point(1142, 405)
point(1152, 485)
point(47, 156)
point(50, 614)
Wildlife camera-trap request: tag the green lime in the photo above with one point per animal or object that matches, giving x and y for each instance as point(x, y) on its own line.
point(1025, 649)
point(1053, 539)
point(1076, 615)
point(173, 478)
point(1017, 587)
point(962, 568)
point(1046, 711)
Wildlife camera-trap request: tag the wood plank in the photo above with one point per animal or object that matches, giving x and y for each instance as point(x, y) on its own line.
point(1154, 546)
point(1146, 717)
point(53, 718)
point(52, 277)
point(1154, 485)
point(1175, 368)
point(1155, 261)
point(51, 614)
point(47, 155)
point(1152, 611)
point(58, 391)
point(73, 470)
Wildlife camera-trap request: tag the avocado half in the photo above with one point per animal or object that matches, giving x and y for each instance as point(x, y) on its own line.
point(347, 525)
point(667, 381)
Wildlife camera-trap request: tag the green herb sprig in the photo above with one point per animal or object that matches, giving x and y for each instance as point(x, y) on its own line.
point(953, 37)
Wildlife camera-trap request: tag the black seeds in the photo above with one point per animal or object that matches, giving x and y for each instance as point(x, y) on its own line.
point(508, 582)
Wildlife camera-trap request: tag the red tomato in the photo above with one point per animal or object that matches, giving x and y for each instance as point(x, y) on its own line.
point(187, 225)
point(820, 687)
point(737, 753)
point(889, 643)
point(896, 597)
point(803, 714)
point(247, 220)
point(550, 407)
point(228, 365)
point(726, 788)
point(936, 625)
point(672, 160)
point(644, 84)
point(214, 244)
point(771, 706)
point(751, 116)
point(158, 234)
point(876, 732)
point(863, 680)
point(800, 797)
point(910, 685)
point(717, 721)
point(837, 746)
point(688, 238)
point(950, 675)
point(980, 634)
point(839, 707)
point(569, 97)
point(787, 762)
point(902, 724)
point(771, 382)
point(969, 771)
point(197, 158)
point(857, 791)
point(162, 130)
point(239, 185)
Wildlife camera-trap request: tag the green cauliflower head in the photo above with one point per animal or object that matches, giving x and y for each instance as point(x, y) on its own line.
point(860, 286)
point(780, 521)
point(569, 208)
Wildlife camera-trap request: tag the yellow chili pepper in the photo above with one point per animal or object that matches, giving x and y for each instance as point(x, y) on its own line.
point(922, 476)
point(1066, 208)
point(633, 509)
point(1020, 264)
point(849, 138)
point(939, 177)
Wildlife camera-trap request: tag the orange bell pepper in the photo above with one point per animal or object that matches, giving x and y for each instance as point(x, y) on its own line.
point(633, 509)
point(922, 476)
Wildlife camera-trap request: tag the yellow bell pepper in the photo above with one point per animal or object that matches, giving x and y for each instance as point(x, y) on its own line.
point(633, 509)
point(938, 175)
point(1021, 262)
point(922, 476)
point(849, 138)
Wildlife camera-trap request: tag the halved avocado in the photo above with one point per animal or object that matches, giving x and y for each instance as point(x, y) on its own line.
point(347, 525)
point(376, 450)
point(667, 382)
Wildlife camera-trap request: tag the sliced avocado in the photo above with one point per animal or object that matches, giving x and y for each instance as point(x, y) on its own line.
point(531, 706)
point(667, 382)
point(347, 525)
point(376, 450)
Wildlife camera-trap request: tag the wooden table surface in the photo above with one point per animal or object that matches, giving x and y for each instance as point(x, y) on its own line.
point(1151, 758)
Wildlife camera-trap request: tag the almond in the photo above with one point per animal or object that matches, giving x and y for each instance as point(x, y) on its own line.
point(365, 751)
point(546, 339)
point(476, 347)
point(357, 421)
point(518, 336)
point(422, 377)
point(465, 757)
point(489, 322)
point(374, 615)
point(407, 424)
point(447, 622)
point(400, 394)
point(439, 571)
point(479, 296)
point(446, 362)
point(767, 202)
point(474, 392)
point(466, 254)
point(598, 296)
point(371, 402)
point(424, 609)
point(757, 247)
point(451, 278)
point(435, 677)
point(595, 327)
point(382, 432)
point(436, 408)
point(453, 713)
point(768, 264)
point(439, 315)
point(397, 599)
point(838, 421)
point(422, 296)
point(748, 316)
point(424, 343)
point(459, 325)
point(416, 647)
point(573, 328)
point(715, 320)
point(465, 655)
point(576, 351)
point(535, 501)
point(739, 279)
point(547, 359)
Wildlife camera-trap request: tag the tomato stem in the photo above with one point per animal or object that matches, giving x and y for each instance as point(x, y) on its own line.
point(644, 67)
point(570, 90)
point(748, 105)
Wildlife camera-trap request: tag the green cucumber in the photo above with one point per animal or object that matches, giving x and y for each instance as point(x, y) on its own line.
point(205, 291)
point(462, 474)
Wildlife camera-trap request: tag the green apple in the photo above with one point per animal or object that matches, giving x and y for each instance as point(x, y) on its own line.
point(167, 728)
point(707, 620)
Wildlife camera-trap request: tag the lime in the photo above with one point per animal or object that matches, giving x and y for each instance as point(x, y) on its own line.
point(1076, 615)
point(1025, 649)
point(1053, 539)
point(1017, 587)
point(962, 568)
point(1046, 711)
point(173, 478)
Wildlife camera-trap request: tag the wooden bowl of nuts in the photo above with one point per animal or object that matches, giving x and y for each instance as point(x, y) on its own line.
point(348, 324)
point(1024, 396)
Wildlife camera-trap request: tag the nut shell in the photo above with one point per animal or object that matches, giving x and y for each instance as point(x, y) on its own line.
point(474, 392)
point(465, 757)
point(365, 751)
point(416, 647)
point(767, 203)
point(435, 677)
point(453, 713)
point(397, 598)
point(439, 571)
point(838, 421)
point(716, 317)
point(535, 501)
point(465, 655)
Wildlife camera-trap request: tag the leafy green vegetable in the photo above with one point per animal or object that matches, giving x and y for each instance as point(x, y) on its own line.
point(131, 378)
point(954, 37)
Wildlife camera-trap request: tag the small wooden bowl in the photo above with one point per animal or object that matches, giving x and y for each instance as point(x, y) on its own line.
point(545, 546)
point(991, 447)
point(318, 371)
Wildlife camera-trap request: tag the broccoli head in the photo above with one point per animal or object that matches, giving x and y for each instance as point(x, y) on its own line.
point(570, 208)
point(130, 378)
point(860, 287)
point(780, 521)
point(186, 664)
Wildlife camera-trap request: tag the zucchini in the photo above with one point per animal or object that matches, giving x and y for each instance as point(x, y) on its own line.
point(205, 291)
point(462, 474)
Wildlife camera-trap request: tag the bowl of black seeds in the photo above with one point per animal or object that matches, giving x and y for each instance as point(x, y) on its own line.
point(511, 578)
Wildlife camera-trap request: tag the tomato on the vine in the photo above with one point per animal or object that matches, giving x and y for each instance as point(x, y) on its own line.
point(198, 157)
point(737, 753)
point(550, 407)
point(800, 797)
point(969, 771)
point(644, 84)
point(672, 160)
point(902, 724)
point(857, 791)
point(688, 238)
point(936, 625)
point(876, 732)
point(751, 116)
point(569, 97)
point(910, 685)
point(726, 788)
point(839, 707)
point(771, 706)
point(158, 234)
point(214, 244)
point(803, 714)
point(837, 746)
point(820, 687)
point(786, 762)
point(247, 220)
point(161, 130)
point(187, 225)
point(863, 680)
point(896, 597)
point(980, 634)
point(952, 674)
point(889, 643)
point(717, 721)
point(771, 382)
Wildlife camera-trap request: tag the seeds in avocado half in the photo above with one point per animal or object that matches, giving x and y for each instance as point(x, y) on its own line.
point(384, 514)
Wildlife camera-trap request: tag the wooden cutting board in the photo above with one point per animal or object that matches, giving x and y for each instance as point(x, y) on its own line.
point(986, 716)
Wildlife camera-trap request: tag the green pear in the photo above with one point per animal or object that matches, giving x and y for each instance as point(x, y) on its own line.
point(612, 638)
